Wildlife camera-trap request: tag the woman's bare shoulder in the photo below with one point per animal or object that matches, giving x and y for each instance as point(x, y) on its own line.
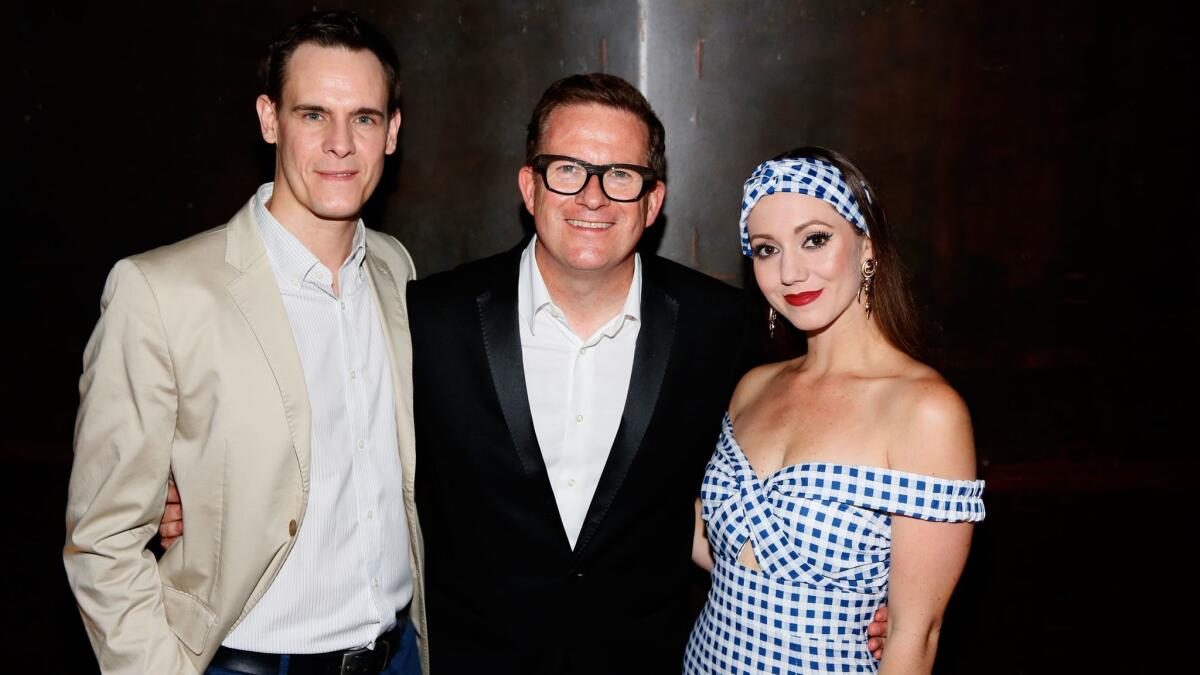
point(754, 383)
point(931, 426)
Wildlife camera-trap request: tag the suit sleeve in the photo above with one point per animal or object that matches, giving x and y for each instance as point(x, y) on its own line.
point(123, 438)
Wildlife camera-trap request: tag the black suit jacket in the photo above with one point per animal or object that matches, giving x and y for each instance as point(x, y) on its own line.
point(505, 591)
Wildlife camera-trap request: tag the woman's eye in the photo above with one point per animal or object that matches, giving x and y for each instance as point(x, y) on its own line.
point(817, 239)
point(765, 251)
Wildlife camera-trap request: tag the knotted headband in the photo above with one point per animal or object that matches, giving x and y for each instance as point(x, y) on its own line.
point(805, 176)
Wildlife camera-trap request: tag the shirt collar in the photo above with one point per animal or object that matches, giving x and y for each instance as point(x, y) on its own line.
point(290, 258)
point(533, 297)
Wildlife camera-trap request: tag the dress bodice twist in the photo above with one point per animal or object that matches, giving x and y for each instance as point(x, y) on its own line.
point(821, 535)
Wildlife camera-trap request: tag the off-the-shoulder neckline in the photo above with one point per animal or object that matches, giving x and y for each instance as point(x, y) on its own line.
point(819, 466)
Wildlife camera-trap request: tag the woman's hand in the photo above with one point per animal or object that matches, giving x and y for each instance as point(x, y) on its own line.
point(170, 527)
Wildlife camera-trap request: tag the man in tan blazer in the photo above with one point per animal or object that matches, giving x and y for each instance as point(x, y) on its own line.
point(264, 367)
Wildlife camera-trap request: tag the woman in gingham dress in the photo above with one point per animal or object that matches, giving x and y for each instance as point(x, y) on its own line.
point(844, 478)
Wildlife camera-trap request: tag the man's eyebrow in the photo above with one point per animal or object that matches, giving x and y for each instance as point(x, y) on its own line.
point(304, 107)
point(368, 111)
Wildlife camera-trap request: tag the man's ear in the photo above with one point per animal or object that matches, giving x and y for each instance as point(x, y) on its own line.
point(268, 121)
point(393, 133)
point(654, 201)
point(527, 182)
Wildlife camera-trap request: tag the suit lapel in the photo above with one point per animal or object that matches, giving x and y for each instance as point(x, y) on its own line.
point(650, 358)
point(256, 293)
point(498, 316)
point(399, 347)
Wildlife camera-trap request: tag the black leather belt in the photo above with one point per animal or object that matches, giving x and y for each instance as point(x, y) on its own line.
point(348, 662)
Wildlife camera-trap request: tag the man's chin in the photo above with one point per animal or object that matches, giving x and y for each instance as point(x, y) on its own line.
point(338, 212)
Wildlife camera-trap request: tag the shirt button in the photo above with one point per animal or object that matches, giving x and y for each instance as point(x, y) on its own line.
point(292, 528)
point(342, 304)
point(583, 350)
point(362, 444)
point(571, 483)
point(579, 418)
point(353, 375)
point(375, 582)
point(370, 515)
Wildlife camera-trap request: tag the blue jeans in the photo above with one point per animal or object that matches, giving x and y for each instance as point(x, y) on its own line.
point(405, 662)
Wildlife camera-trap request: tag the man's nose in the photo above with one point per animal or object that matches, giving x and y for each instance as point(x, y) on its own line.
point(339, 141)
point(592, 195)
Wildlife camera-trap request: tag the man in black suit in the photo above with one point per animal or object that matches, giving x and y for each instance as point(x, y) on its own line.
point(568, 394)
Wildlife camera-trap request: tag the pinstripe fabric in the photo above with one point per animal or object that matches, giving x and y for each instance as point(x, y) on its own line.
point(348, 573)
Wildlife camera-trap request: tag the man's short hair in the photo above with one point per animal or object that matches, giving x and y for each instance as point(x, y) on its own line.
point(339, 28)
point(606, 90)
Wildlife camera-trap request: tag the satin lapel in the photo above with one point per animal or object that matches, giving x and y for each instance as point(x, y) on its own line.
point(256, 294)
point(650, 358)
point(395, 333)
point(502, 341)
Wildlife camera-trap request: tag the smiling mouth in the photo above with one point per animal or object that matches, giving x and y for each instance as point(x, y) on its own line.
point(337, 175)
point(801, 299)
point(588, 225)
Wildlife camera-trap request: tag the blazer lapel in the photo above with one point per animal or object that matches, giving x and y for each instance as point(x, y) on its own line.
point(650, 357)
point(395, 332)
point(256, 293)
point(502, 340)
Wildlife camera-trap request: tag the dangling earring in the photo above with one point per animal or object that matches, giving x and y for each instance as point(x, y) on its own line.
point(868, 277)
point(771, 323)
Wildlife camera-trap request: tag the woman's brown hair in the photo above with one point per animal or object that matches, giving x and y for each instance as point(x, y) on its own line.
point(892, 305)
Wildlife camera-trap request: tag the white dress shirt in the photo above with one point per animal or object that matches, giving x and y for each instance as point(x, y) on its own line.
point(577, 387)
point(348, 572)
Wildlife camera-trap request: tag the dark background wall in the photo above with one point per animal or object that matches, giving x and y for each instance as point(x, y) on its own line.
point(1036, 158)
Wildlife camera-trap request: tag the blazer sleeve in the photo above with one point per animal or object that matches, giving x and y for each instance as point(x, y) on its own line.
point(123, 437)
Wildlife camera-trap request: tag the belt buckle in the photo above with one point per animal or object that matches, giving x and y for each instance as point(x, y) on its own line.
point(350, 660)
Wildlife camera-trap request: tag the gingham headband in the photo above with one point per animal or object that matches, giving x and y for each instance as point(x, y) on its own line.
point(806, 176)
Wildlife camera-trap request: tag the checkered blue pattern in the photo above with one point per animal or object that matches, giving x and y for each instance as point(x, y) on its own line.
point(821, 534)
point(805, 176)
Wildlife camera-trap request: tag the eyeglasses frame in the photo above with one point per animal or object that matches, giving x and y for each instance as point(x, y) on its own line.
point(540, 163)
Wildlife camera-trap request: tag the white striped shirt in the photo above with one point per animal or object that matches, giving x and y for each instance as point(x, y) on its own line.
point(348, 572)
point(577, 387)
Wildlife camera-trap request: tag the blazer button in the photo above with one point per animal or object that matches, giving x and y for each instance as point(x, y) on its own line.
point(292, 528)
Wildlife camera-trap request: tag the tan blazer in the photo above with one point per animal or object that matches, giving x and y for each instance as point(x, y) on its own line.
point(192, 372)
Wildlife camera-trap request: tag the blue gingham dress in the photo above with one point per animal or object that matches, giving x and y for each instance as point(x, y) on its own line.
point(822, 535)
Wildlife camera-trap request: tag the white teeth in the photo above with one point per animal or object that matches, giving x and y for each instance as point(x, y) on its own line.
point(588, 225)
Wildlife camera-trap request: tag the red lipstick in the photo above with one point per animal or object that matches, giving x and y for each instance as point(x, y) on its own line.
point(801, 299)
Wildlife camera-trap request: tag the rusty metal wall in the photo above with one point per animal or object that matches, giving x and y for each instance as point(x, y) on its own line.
point(994, 134)
point(1038, 159)
point(473, 72)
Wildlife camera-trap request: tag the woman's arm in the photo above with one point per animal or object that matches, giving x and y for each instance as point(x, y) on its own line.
point(701, 553)
point(927, 557)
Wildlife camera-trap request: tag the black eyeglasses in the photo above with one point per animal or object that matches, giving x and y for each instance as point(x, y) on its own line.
point(619, 182)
